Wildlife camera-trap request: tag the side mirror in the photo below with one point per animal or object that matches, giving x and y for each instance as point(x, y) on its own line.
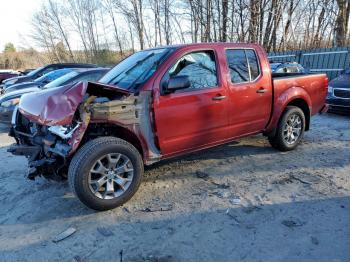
point(177, 83)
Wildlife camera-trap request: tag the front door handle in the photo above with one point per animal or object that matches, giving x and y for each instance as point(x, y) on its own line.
point(219, 97)
point(261, 90)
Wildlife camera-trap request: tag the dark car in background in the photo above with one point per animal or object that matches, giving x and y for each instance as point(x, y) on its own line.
point(39, 82)
point(338, 97)
point(42, 71)
point(6, 74)
point(26, 71)
point(288, 67)
point(9, 101)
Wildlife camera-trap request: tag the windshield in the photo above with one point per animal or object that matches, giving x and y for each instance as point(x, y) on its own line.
point(53, 75)
point(136, 69)
point(62, 80)
point(32, 73)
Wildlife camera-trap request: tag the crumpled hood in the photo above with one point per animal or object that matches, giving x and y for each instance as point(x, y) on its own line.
point(57, 106)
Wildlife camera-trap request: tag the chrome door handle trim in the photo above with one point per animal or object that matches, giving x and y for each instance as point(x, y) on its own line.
point(261, 90)
point(219, 97)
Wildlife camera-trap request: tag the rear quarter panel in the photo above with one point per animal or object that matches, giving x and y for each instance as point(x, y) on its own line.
point(311, 88)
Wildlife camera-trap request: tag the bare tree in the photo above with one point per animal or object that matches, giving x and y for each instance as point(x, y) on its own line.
point(121, 26)
point(342, 22)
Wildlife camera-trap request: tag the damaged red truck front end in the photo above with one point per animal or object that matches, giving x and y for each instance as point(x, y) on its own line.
point(50, 125)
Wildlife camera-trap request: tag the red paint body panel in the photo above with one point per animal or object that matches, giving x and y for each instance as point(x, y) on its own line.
point(188, 120)
point(54, 106)
point(250, 111)
point(310, 88)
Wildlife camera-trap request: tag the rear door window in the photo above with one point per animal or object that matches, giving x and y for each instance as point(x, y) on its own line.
point(238, 65)
point(253, 64)
point(243, 65)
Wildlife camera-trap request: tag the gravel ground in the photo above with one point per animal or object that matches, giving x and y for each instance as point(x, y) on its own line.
point(243, 201)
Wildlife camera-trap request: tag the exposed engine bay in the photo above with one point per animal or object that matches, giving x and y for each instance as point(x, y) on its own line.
point(49, 138)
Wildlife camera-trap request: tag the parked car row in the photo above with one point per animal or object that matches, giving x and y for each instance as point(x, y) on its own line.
point(42, 71)
point(55, 75)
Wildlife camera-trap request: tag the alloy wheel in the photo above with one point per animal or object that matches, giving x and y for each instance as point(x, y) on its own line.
point(292, 129)
point(110, 176)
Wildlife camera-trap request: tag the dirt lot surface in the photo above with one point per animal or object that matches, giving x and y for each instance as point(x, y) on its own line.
point(239, 202)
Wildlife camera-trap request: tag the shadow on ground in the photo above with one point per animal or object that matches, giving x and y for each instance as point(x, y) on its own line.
point(297, 231)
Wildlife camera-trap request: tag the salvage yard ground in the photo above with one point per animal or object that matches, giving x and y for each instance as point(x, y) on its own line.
point(239, 202)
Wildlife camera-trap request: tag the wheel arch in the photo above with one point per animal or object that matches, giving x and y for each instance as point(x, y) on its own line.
point(303, 105)
point(294, 96)
point(105, 129)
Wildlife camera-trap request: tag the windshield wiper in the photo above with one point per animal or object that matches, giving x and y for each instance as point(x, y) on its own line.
point(154, 65)
point(131, 68)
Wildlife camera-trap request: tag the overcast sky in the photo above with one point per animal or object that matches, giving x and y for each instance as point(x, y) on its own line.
point(15, 18)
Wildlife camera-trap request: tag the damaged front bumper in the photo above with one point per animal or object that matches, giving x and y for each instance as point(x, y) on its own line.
point(46, 148)
point(49, 138)
point(31, 152)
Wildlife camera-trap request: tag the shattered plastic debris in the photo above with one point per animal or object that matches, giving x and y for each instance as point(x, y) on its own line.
point(168, 207)
point(105, 231)
point(235, 201)
point(63, 132)
point(201, 174)
point(153, 258)
point(126, 210)
point(67, 233)
point(221, 186)
point(232, 216)
point(294, 222)
point(306, 178)
point(222, 194)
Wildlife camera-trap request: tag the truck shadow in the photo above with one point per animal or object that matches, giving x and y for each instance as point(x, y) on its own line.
point(53, 201)
point(254, 154)
point(284, 231)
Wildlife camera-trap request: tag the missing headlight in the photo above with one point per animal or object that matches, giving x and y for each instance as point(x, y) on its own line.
point(64, 132)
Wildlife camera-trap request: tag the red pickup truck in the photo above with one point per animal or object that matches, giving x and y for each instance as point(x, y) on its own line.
point(156, 104)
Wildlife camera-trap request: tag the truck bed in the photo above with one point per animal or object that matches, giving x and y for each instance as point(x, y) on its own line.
point(313, 84)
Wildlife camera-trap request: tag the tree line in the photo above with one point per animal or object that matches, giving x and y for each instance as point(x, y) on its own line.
point(103, 31)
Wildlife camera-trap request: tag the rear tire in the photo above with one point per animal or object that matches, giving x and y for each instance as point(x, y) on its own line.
point(290, 129)
point(105, 173)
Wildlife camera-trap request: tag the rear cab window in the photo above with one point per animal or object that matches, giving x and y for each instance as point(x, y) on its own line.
point(243, 65)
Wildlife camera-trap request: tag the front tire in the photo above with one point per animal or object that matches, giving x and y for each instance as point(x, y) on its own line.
point(105, 173)
point(290, 130)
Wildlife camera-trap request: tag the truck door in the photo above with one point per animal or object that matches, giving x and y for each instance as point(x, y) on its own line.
point(196, 116)
point(250, 92)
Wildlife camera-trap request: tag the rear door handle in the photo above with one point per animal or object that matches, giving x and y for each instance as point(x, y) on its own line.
point(219, 97)
point(261, 90)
